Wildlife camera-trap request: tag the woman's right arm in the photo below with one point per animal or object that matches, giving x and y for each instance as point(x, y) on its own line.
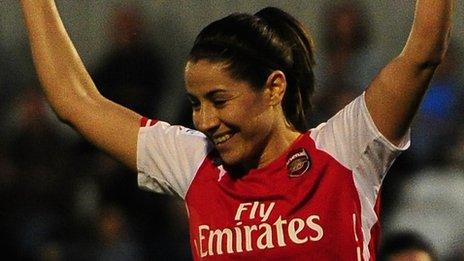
point(70, 89)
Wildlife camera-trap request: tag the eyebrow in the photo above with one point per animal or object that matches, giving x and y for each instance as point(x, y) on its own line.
point(208, 95)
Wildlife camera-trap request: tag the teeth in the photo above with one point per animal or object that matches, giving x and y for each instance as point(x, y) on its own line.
point(222, 139)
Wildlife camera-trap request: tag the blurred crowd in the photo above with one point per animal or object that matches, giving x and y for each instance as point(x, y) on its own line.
point(61, 199)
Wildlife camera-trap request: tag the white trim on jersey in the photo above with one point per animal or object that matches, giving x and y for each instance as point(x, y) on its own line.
point(352, 138)
point(168, 157)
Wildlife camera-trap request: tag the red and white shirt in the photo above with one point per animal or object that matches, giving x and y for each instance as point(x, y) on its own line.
point(317, 201)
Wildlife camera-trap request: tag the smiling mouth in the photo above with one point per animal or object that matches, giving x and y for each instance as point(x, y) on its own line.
point(221, 139)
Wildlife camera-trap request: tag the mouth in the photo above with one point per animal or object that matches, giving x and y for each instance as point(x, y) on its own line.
point(220, 139)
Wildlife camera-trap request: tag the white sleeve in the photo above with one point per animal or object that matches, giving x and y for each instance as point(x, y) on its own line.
point(168, 157)
point(352, 138)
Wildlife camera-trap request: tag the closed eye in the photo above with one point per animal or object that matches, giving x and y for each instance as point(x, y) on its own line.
point(194, 102)
point(219, 103)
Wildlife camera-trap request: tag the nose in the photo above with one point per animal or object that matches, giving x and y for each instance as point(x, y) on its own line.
point(206, 119)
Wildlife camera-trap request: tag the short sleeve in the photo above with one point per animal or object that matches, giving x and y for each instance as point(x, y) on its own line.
point(352, 138)
point(168, 156)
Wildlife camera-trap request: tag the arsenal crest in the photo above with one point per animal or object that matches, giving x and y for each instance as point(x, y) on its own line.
point(298, 162)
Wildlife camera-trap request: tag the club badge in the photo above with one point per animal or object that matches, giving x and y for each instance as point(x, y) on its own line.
point(298, 162)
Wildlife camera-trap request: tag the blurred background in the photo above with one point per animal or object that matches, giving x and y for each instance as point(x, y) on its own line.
point(61, 199)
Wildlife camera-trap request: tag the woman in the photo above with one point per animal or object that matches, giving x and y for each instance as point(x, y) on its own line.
point(256, 183)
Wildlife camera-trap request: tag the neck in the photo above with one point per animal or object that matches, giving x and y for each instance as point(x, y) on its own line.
point(279, 141)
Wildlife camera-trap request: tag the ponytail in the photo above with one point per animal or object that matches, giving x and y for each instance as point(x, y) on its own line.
point(300, 75)
point(255, 45)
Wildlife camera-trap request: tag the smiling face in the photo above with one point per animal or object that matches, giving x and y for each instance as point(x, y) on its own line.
point(240, 120)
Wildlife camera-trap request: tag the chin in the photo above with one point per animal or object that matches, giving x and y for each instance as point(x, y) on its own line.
point(230, 160)
point(237, 161)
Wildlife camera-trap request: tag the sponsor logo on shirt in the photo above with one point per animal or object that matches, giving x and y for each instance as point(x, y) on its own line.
point(258, 233)
point(298, 162)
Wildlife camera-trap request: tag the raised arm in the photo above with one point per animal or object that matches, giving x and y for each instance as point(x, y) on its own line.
point(395, 94)
point(71, 91)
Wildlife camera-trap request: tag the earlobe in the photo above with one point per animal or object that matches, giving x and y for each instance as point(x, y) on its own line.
point(276, 84)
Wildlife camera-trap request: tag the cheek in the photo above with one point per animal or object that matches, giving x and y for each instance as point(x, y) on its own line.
point(254, 108)
point(257, 122)
point(249, 115)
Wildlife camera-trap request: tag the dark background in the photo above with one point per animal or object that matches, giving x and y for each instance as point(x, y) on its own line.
point(60, 199)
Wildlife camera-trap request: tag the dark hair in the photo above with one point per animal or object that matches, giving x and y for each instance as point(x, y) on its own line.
point(252, 46)
point(403, 241)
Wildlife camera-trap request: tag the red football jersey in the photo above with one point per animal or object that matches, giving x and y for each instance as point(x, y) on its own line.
point(317, 201)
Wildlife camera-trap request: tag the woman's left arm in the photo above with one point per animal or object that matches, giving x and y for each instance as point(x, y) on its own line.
point(395, 94)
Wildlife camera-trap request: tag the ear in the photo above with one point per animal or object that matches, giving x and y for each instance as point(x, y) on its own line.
point(276, 84)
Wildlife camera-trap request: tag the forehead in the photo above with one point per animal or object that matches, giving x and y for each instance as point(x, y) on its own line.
point(204, 76)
